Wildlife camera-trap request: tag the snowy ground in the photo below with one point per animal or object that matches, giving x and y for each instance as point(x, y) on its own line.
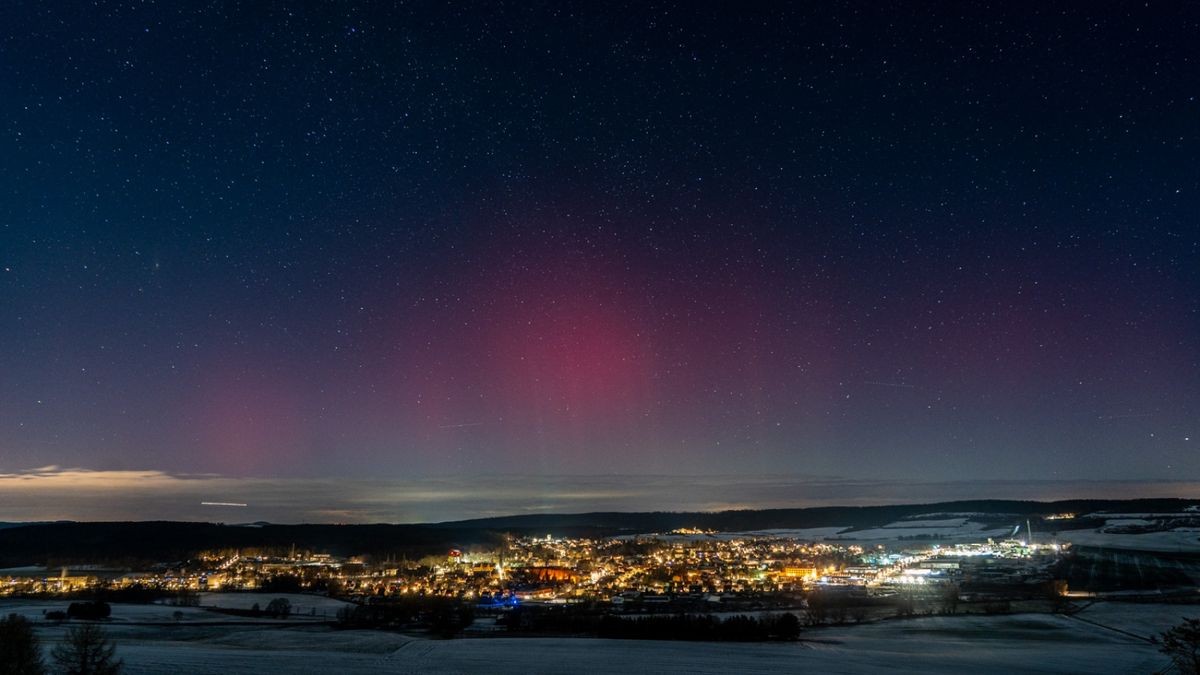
point(953, 529)
point(34, 610)
point(1028, 643)
point(1145, 619)
point(303, 605)
point(958, 529)
point(805, 534)
point(963, 529)
point(1172, 541)
point(126, 617)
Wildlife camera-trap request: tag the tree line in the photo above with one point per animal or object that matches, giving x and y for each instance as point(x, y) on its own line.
point(85, 651)
point(693, 627)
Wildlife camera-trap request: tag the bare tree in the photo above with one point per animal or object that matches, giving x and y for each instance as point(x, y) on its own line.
point(950, 599)
point(906, 603)
point(859, 613)
point(279, 608)
point(817, 610)
point(87, 651)
point(1182, 644)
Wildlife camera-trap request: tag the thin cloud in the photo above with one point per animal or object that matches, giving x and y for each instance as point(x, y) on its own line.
point(55, 493)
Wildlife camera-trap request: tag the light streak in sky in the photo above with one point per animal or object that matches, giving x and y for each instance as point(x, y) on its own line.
point(900, 385)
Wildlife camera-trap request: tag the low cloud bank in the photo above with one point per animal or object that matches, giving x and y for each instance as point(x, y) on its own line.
point(55, 493)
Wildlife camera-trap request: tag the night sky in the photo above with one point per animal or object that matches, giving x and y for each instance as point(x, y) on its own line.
point(299, 240)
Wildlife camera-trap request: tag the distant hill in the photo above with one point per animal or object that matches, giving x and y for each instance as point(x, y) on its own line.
point(157, 541)
point(4, 526)
point(825, 516)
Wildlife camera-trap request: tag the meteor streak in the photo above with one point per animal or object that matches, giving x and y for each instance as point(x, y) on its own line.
point(900, 385)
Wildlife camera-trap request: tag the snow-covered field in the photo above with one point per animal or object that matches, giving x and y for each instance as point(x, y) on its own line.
point(958, 529)
point(1186, 540)
point(304, 608)
point(1027, 643)
point(302, 604)
point(938, 523)
point(34, 610)
point(1146, 619)
point(1182, 539)
point(963, 529)
point(805, 534)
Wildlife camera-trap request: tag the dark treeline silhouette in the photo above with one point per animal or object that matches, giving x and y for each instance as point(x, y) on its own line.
point(61, 544)
point(442, 616)
point(282, 583)
point(738, 628)
point(136, 594)
point(90, 611)
point(698, 627)
point(279, 608)
point(839, 607)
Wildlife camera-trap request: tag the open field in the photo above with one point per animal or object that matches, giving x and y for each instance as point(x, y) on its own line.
point(303, 604)
point(1170, 541)
point(1130, 571)
point(1030, 643)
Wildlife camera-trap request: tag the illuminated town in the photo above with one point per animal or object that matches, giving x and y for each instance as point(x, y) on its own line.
point(684, 570)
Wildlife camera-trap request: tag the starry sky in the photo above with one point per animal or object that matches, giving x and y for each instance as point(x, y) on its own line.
point(283, 240)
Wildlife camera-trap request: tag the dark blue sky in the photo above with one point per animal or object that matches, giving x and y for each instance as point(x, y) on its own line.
point(307, 240)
